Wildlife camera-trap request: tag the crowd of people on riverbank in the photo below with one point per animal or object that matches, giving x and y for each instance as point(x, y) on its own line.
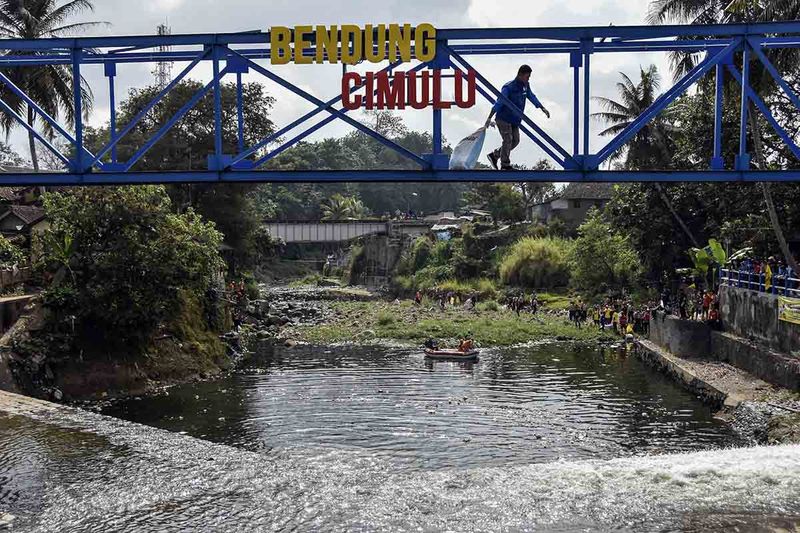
point(692, 303)
point(619, 315)
point(445, 299)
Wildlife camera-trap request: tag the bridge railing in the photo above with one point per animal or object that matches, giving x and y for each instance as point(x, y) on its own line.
point(779, 284)
point(734, 49)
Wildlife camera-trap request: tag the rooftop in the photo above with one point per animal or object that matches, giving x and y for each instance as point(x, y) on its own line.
point(29, 214)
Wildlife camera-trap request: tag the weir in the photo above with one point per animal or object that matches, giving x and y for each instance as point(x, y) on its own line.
point(134, 475)
point(719, 48)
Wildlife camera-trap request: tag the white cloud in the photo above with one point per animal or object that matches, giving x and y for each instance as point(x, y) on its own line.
point(163, 6)
point(556, 12)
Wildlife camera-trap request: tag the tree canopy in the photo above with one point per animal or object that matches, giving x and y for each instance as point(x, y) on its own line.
point(120, 257)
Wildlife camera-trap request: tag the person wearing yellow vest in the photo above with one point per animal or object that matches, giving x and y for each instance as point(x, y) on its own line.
point(767, 277)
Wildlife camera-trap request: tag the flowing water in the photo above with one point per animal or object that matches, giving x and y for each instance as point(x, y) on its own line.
point(546, 438)
point(516, 406)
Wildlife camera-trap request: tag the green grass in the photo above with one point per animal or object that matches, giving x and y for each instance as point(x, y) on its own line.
point(551, 300)
point(363, 321)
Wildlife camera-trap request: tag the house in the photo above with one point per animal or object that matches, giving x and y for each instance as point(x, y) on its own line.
point(572, 203)
point(22, 220)
point(19, 195)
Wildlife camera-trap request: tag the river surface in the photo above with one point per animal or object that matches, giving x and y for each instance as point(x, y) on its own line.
point(545, 438)
point(516, 406)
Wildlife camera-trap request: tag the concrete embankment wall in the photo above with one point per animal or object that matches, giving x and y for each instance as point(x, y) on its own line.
point(745, 343)
point(754, 316)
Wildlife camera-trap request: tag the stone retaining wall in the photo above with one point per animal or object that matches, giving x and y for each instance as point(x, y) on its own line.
point(754, 316)
point(690, 339)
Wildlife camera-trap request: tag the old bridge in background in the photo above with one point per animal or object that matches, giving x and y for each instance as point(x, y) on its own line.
point(340, 231)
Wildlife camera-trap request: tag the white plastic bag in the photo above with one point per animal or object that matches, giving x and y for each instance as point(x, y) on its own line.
point(466, 154)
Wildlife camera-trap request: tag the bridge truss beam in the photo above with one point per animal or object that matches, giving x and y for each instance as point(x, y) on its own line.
point(723, 47)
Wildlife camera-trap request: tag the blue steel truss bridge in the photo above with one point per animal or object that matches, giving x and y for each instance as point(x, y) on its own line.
point(721, 50)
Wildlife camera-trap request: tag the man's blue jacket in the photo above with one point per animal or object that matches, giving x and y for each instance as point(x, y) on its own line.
point(517, 92)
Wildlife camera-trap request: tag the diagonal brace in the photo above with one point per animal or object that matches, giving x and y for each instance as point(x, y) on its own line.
point(146, 109)
point(751, 94)
point(41, 112)
point(7, 108)
point(262, 143)
point(172, 121)
point(555, 146)
point(288, 144)
point(665, 99)
point(549, 151)
point(774, 72)
point(369, 131)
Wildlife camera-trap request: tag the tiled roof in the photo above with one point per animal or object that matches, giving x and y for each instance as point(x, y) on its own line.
point(29, 214)
point(9, 194)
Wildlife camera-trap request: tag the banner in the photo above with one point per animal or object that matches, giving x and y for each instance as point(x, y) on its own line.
point(789, 309)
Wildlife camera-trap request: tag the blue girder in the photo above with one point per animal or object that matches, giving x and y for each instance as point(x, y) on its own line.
point(237, 53)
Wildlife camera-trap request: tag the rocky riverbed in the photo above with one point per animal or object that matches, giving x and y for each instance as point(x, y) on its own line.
point(280, 310)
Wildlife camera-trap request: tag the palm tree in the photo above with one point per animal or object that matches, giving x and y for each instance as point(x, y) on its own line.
point(50, 86)
point(339, 207)
point(649, 148)
point(785, 60)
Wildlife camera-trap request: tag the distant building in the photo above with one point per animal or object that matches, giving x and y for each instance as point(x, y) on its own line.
point(21, 220)
point(573, 202)
point(436, 217)
point(18, 195)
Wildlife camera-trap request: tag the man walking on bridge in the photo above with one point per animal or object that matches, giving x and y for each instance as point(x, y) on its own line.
point(508, 119)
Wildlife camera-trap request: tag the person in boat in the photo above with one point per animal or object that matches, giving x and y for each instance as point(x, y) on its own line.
point(466, 344)
point(431, 344)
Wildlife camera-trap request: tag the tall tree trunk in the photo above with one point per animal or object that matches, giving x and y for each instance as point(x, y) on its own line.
point(766, 188)
point(675, 214)
point(32, 141)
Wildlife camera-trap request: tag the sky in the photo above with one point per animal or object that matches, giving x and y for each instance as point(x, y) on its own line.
point(551, 79)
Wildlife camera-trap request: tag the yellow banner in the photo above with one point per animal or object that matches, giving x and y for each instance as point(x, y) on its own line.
point(789, 309)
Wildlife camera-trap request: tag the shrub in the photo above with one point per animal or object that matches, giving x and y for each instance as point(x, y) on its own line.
point(123, 257)
point(490, 305)
point(415, 257)
point(538, 263)
point(385, 318)
point(10, 253)
point(403, 284)
point(358, 264)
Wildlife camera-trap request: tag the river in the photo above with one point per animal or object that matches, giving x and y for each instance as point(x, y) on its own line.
point(521, 405)
point(549, 437)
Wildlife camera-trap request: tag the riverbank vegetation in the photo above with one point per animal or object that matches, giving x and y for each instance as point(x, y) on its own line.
point(490, 325)
point(128, 282)
point(491, 263)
